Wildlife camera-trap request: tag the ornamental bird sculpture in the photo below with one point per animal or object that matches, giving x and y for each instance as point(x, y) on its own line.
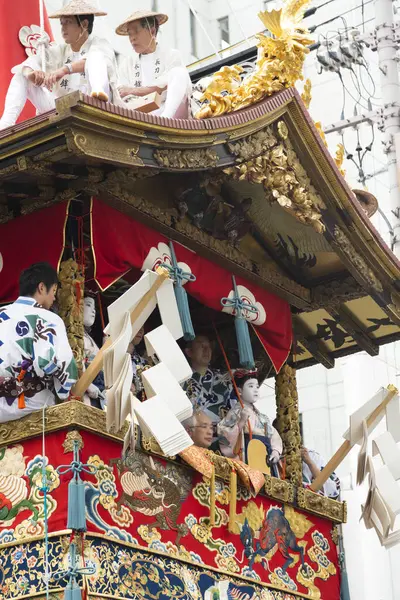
point(279, 65)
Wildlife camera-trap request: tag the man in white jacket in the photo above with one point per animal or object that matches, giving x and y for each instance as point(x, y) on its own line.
point(84, 62)
point(152, 67)
point(37, 367)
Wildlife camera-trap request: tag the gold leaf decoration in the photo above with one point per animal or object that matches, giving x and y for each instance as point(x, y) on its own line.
point(70, 302)
point(288, 422)
point(306, 94)
point(299, 523)
point(279, 170)
point(339, 158)
point(279, 65)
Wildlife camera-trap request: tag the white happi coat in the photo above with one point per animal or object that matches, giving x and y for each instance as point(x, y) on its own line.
point(331, 487)
point(34, 340)
point(59, 55)
point(150, 70)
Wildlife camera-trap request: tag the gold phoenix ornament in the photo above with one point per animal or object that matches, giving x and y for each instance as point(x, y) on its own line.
point(279, 64)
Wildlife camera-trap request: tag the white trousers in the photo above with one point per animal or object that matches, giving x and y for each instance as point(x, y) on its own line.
point(175, 100)
point(11, 413)
point(179, 90)
point(21, 89)
point(97, 73)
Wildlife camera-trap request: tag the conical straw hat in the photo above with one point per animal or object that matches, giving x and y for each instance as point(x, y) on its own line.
point(140, 14)
point(78, 7)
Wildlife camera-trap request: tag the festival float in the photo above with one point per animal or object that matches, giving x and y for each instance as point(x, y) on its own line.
point(251, 220)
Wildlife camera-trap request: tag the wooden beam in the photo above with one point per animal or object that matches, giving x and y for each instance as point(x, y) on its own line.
point(97, 363)
point(346, 320)
point(304, 335)
point(16, 189)
point(345, 448)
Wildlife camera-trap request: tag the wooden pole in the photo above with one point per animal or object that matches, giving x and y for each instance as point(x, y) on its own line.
point(97, 363)
point(345, 448)
point(42, 33)
point(287, 412)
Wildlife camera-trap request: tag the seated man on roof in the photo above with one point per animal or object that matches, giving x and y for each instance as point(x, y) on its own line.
point(84, 62)
point(152, 68)
point(36, 361)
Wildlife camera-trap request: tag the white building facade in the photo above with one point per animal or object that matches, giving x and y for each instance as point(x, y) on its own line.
point(199, 28)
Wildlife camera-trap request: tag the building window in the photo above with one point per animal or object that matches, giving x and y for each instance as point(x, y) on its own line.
point(154, 5)
point(193, 33)
point(224, 31)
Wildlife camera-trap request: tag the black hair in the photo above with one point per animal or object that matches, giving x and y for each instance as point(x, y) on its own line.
point(189, 343)
point(37, 273)
point(150, 22)
point(240, 381)
point(88, 18)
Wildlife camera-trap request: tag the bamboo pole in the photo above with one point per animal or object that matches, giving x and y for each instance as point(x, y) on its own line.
point(345, 448)
point(42, 33)
point(97, 363)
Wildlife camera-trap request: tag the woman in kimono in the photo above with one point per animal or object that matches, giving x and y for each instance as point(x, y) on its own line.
point(234, 430)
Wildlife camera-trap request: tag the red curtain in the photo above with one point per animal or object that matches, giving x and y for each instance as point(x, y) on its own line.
point(26, 240)
point(121, 243)
point(15, 14)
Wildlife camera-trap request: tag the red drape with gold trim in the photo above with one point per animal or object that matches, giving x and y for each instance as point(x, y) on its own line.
point(26, 240)
point(121, 243)
point(15, 14)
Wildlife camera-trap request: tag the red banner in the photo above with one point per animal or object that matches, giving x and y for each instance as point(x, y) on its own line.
point(14, 16)
point(26, 240)
point(120, 243)
point(160, 508)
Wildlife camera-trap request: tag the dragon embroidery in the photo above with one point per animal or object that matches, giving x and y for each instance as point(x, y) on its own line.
point(154, 491)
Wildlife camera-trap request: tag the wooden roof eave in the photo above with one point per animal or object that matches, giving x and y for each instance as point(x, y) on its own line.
point(82, 128)
point(344, 211)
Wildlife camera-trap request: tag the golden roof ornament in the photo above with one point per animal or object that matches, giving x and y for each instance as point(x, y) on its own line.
point(340, 150)
point(279, 65)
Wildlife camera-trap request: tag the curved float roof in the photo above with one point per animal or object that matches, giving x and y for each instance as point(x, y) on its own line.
point(316, 247)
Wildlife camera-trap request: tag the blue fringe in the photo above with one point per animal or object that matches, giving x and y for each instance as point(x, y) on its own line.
point(184, 313)
point(73, 593)
point(246, 357)
point(76, 505)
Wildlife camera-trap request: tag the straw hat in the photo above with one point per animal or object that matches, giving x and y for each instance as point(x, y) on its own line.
point(78, 7)
point(140, 14)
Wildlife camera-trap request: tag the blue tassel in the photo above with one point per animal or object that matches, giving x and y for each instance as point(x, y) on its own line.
point(184, 313)
point(180, 276)
point(73, 592)
point(76, 490)
point(76, 505)
point(246, 357)
point(238, 306)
